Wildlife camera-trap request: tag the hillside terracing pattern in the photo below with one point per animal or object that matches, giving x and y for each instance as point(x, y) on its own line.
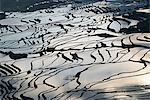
point(97, 51)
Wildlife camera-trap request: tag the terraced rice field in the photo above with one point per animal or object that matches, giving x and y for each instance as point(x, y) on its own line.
point(84, 53)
